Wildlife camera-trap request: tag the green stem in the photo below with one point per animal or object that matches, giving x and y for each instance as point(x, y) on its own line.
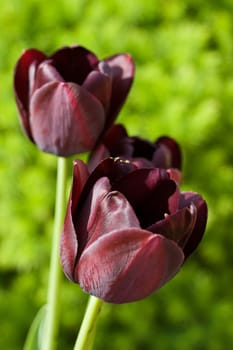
point(51, 319)
point(85, 337)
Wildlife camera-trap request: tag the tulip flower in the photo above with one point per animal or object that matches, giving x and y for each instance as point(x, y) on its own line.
point(163, 153)
point(67, 100)
point(128, 229)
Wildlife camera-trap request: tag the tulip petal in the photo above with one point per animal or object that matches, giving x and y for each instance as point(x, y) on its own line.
point(87, 214)
point(142, 163)
point(168, 153)
point(113, 168)
point(123, 70)
point(133, 149)
point(103, 150)
point(22, 84)
point(151, 199)
point(74, 118)
point(80, 176)
point(127, 265)
point(69, 243)
point(107, 211)
point(102, 211)
point(114, 134)
point(74, 63)
point(99, 84)
point(186, 199)
point(141, 148)
point(175, 175)
point(46, 73)
point(178, 226)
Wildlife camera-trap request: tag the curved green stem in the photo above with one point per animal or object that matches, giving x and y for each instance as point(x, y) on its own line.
point(86, 334)
point(51, 319)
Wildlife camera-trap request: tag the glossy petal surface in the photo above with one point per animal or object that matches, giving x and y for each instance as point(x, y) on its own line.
point(71, 128)
point(106, 210)
point(127, 265)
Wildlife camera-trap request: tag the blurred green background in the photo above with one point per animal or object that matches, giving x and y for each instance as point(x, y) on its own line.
point(183, 88)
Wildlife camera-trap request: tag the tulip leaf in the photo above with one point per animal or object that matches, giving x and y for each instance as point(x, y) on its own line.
point(34, 334)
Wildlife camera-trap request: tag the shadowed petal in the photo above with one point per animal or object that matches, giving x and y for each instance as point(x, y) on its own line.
point(99, 83)
point(86, 215)
point(115, 133)
point(127, 265)
point(168, 154)
point(139, 148)
point(80, 176)
point(186, 199)
point(148, 179)
point(100, 154)
point(73, 120)
point(178, 226)
point(69, 243)
point(74, 63)
point(150, 200)
point(123, 69)
point(113, 168)
point(21, 84)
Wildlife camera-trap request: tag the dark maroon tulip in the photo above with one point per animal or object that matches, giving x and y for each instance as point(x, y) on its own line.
point(128, 229)
point(67, 100)
point(163, 153)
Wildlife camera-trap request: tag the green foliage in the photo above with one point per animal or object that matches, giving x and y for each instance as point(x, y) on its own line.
point(183, 88)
